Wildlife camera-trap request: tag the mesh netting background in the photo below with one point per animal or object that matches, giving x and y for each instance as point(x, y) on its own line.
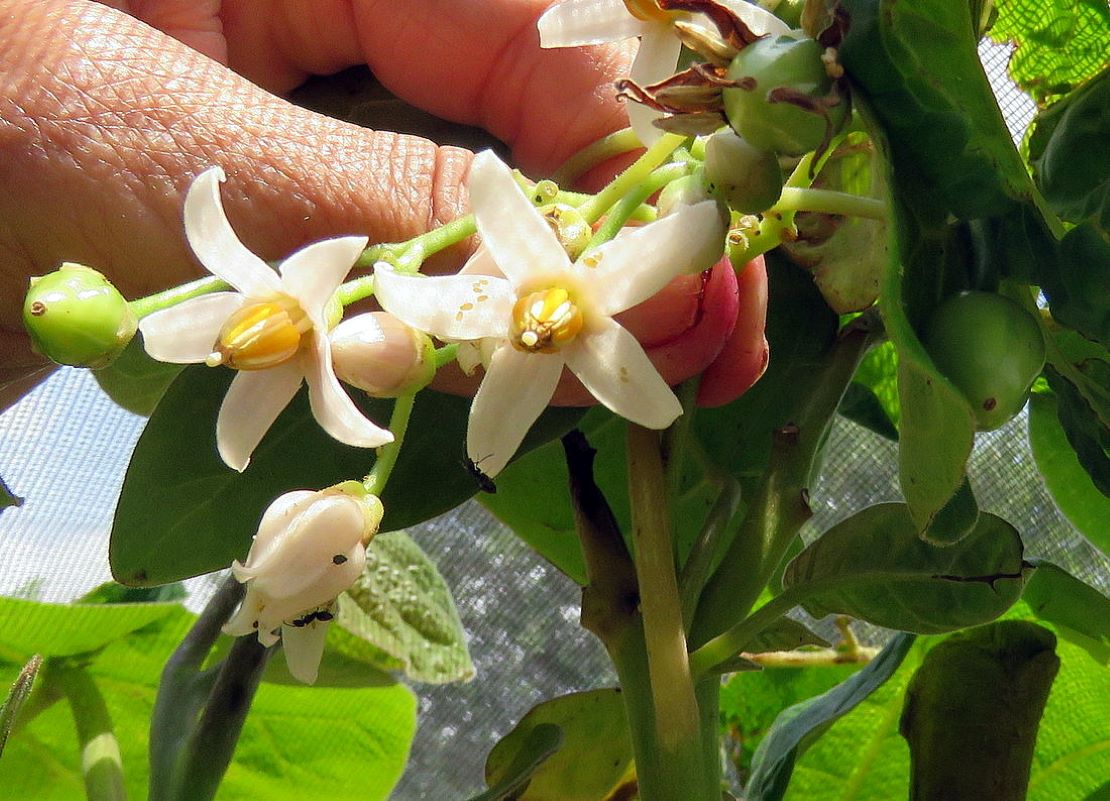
point(64, 449)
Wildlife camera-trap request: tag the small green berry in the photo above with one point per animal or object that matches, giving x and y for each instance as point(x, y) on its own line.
point(76, 317)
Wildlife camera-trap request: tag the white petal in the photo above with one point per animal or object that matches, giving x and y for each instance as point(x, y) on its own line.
point(655, 60)
point(304, 648)
point(515, 391)
point(586, 22)
point(245, 620)
point(211, 237)
point(641, 261)
point(332, 406)
point(759, 20)
point(252, 403)
point(616, 371)
point(312, 274)
point(277, 517)
point(187, 333)
point(481, 263)
point(517, 236)
point(447, 306)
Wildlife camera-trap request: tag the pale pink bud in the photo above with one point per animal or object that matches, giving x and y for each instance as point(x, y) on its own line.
point(379, 354)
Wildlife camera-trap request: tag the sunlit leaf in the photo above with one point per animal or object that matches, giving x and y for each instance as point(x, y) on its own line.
point(595, 756)
point(402, 606)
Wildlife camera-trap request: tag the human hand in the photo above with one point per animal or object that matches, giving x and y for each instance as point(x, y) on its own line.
point(109, 113)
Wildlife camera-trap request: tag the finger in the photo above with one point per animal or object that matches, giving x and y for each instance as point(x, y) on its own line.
point(472, 62)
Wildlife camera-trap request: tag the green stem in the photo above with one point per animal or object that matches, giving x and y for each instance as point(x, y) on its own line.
point(407, 256)
point(628, 204)
point(699, 563)
point(678, 728)
point(780, 505)
point(387, 454)
point(605, 148)
point(101, 763)
point(829, 201)
point(171, 297)
point(637, 172)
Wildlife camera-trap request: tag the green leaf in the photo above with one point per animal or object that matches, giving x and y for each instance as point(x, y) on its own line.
point(135, 381)
point(1077, 610)
point(183, 512)
point(1067, 150)
point(1083, 408)
point(861, 405)
point(1070, 485)
point(901, 57)
point(972, 711)
point(298, 742)
point(1077, 282)
point(401, 605)
point(798, 727)
point(751, 701)
point(21, 688)
point(879, 373)
point(594, 761)
point(873, 566)
point(955, 520)
point(7, 498)
point(538, 746)
point(800, 330)
point(31, 627)
point(1059, 43)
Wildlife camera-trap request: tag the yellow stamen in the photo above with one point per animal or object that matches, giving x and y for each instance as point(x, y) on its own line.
point(261, 335)
point(544, 321)
point(647, 10)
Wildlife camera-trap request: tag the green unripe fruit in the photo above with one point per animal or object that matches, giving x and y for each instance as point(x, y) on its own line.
point(991, 349)
point(569, 225)
point(771, 73)
point(748, 179)
point(684, 191)
point(76, 317)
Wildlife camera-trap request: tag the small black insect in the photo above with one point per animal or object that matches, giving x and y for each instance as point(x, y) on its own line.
point(485, 483)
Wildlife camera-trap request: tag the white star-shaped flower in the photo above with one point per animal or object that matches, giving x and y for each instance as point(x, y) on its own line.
point(572, 23)
point(548, 312)
point(310, 547)
point(273, 329)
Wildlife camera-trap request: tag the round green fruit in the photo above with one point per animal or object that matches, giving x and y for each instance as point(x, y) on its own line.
point(991, 349)
point(769, 73)
point(76, 317)
point(745, 177)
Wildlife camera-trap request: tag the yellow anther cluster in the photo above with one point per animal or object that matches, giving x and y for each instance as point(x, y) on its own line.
point(260, 335)
point(544, 321)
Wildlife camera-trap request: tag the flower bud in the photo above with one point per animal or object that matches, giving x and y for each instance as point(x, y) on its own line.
point(310, 547)
point(76, 317)
point(747, 178)
point(570, 226)
point(379, 354)
point(684, 191)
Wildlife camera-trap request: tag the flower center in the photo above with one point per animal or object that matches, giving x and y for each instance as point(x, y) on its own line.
point(647, 10)
point(544, 321)
point(260, 335)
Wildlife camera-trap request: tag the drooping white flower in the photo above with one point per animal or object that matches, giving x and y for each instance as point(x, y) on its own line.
point(572, 23)
point(273, 329)
point(547, 312)
point(310, 547)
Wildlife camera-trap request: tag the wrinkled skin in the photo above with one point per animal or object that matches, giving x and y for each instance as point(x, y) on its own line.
point(108, 110)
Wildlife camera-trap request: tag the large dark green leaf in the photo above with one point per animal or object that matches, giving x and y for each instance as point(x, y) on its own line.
point(1071, 163)
point(874, 566)
point(183, 512)
point(972, 712)
point(1059, 43)
point(901, 57)
point(1070, 485)
point(798, 727)
point(135, 381)
point(7, 498)
point(1077, 282)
